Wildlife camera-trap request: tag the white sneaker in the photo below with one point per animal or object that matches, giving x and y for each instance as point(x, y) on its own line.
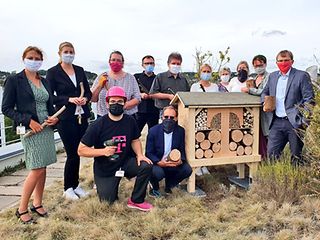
point(199, 172)
point(80, 192)
point(205, 170)
point(202, 170)
point(70, 194)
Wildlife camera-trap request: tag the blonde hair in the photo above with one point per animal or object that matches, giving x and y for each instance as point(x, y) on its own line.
point(65, 44)
point(224, 69)
point(206, 65)
point(32, 48)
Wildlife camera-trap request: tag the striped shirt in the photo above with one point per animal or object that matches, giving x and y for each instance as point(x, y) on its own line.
point(130, 86)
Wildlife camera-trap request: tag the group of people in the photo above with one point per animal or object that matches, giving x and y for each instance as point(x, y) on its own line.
point(125, 104)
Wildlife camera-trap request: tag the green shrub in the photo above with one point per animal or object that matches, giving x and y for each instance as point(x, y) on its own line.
point(10, 132)
point(281, 181)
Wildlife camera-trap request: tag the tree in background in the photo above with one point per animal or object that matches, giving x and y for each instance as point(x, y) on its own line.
point(216, 63)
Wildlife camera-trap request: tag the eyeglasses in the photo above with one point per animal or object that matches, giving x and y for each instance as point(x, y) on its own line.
point(148, 63)
point(169, 117)
point(114, 102)
point(284, 60)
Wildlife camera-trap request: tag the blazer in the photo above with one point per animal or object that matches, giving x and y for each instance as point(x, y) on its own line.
point(62, 88)
point(155, 142)
point(18, 100)
point(299, 91)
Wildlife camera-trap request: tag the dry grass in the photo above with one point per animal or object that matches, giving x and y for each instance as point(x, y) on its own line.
point(227, 213)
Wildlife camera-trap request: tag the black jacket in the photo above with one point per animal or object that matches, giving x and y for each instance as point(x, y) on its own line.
point(18, 99)
point(63, 88)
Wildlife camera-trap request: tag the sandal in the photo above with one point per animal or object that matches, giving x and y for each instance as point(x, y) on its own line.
point(30, 221)
point(34, 209)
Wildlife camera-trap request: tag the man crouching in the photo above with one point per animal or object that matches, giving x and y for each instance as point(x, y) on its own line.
point(113, 136)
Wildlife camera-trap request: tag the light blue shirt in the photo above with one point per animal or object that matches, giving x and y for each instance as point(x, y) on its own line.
point(167, 144)
point(281, 94)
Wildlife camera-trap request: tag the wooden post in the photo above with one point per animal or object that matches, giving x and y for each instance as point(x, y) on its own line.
point(241, 169)
point(253, 168)
point(192, 181)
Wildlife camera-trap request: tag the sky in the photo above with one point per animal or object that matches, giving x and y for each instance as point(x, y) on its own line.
point(141, 27)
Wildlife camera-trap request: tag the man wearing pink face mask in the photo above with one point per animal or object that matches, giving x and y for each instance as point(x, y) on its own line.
point(116, 77)
point(292, 89)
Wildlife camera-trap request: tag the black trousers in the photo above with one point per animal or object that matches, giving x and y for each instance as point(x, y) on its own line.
point(107, 187)
point(151, 119)
point(173, 175)
point(282, 132)
point(71, 133)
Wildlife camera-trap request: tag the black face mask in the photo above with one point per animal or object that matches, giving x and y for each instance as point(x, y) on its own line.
point(242, 75)
point(116, 109)
point(168, 125)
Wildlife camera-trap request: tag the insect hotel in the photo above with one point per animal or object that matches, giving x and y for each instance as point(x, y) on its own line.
point(221, 128)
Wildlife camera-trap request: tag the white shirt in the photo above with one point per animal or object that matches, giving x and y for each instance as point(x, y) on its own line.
point(281, 94)
point(73, 79)
point(196, 88)
point(235, 85)
point(79, 109)
point(167, 144)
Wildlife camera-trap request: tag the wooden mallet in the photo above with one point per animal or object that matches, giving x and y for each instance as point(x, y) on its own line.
point(44, 124)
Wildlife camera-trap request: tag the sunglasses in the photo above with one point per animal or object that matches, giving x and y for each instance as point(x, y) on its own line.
point(168, 117)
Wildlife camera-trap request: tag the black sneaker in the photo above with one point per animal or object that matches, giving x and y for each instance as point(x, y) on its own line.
point(155, 193)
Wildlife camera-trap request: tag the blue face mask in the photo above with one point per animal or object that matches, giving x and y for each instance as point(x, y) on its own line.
point(32, 65)
point(149, 68)
point(205, 76)
point(67, 58)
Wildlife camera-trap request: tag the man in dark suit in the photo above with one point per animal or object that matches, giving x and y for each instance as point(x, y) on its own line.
point(161, 139)
point(292, 89)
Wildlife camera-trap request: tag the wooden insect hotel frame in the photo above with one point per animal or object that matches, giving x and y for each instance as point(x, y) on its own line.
point(221, 128)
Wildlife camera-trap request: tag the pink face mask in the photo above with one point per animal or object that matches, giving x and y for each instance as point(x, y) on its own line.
point(116, 66)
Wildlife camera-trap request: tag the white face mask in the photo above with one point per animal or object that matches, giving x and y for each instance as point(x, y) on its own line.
point(260, 70)
point(67, 58)
point(174, 69)
point(32, 65)
point(225, 78)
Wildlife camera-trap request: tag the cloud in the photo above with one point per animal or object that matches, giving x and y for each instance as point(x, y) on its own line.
point(268, 33)
point(272, 33)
